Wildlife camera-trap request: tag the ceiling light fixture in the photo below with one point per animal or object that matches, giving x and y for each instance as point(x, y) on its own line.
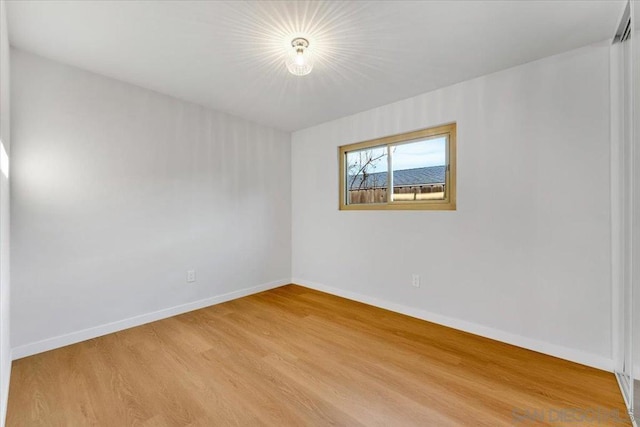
point(299, 61)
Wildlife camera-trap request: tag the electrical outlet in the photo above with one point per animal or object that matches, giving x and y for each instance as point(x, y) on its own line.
point(191, 276)
point(415, 280)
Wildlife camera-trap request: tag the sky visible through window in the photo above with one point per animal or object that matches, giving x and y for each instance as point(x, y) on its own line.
point(419, 154)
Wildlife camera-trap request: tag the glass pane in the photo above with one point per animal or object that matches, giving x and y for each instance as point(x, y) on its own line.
point(419, 170)
point(367, 176)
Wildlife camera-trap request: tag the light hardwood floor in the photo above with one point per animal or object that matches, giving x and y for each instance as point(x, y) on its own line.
point(294, 356)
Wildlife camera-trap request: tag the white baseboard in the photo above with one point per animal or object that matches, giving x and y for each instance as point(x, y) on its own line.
point(108, 328)
point(555, 350)
point(474, 328)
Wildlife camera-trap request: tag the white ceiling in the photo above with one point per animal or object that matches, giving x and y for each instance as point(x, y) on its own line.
point(229, 56)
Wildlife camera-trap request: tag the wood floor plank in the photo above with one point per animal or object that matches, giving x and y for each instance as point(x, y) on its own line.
point(295, 356)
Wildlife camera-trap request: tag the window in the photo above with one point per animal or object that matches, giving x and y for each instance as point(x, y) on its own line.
point(419, 167)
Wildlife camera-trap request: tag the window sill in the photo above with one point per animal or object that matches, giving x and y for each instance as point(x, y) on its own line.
point(400, 206)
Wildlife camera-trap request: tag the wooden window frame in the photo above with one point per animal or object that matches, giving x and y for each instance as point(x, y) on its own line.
point(448, 203)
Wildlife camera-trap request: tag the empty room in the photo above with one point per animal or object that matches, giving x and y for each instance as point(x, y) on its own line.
point(309, 213)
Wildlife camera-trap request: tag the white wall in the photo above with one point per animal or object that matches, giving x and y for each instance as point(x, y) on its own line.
point(117, 191)
point(5, 136)
point(526, 257)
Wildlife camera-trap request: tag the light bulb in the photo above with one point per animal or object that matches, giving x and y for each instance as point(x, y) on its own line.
point(299, 61)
